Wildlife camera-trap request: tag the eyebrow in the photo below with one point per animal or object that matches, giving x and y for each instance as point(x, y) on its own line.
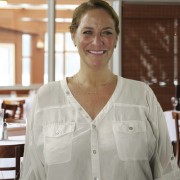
point(106, 28)
point(87, 28)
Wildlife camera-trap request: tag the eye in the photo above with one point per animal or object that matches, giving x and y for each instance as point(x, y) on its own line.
point(87, 32)
point(106, 33)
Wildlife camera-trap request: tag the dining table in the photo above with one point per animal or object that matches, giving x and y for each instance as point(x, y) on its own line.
point(16, 129)
point(20, 139)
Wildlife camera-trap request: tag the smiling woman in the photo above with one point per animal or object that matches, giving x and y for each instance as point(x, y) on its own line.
point(95, 38)
point(95, 124)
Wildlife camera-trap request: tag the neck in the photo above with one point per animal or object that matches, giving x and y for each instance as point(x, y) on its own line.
point(94, 79)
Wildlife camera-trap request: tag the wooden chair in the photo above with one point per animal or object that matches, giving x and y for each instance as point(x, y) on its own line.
point(14, 110)
point(176, 117)
point(12, 151)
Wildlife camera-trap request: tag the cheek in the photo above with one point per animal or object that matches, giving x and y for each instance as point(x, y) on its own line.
point(86, 39)
point(83, 42)
point(110, 44)
point(81, 45)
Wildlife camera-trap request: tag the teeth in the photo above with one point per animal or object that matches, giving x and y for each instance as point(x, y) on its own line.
point(96, 52)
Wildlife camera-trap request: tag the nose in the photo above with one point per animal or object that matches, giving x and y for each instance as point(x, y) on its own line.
point(97, 40)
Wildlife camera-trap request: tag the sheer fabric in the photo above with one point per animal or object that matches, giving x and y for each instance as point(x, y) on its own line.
point(127, 140)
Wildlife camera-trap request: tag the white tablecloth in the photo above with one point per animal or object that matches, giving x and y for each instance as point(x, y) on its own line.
point(13, 140)
point(170, 125)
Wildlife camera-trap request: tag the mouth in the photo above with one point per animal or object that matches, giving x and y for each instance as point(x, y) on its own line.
point(97, 52)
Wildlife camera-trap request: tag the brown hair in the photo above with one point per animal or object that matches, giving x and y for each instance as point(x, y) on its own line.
point(90, 5)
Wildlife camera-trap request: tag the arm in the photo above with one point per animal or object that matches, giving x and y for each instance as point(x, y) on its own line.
point(32, 167)
point(163, 164)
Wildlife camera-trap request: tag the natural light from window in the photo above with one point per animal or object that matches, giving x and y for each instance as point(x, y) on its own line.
point(7, 64)
point(67, 60)
point(26, 59)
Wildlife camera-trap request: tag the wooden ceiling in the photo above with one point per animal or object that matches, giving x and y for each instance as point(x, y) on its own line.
point(33, 19)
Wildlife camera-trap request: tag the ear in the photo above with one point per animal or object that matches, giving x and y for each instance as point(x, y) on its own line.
point(116, 41)
point(73, 38)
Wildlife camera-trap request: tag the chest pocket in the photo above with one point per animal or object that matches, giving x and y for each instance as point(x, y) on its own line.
point(58, 143)
point(131, 140)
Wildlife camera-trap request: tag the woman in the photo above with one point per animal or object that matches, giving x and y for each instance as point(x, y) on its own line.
point(96, 125)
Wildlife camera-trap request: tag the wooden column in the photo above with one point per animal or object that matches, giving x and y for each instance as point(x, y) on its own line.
point(37, 61)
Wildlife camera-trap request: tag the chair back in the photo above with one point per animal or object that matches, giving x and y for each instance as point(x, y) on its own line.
point(9, 110)
point(176, 117)
point(14, 110)
point(12, 151)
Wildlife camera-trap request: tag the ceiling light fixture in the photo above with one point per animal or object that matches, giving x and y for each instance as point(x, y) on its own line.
point(40, 44)
point(3, 3)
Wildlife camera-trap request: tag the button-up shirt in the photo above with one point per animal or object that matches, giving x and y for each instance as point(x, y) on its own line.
point(128, 139)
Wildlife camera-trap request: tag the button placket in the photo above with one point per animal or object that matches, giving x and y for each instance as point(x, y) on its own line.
point(95, 153)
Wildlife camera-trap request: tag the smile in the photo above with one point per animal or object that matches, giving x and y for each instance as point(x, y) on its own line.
point(97, 52)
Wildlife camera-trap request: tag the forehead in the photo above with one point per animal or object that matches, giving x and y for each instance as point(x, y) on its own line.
point(96, 18)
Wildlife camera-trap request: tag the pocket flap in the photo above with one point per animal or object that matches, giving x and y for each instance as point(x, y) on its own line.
point(130, 126)
point(59, 129)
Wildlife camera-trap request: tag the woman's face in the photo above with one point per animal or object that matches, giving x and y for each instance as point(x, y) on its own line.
point(95, 38)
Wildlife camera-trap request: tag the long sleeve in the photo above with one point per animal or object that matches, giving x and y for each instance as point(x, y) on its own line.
point(163, 162)
point(32, 168)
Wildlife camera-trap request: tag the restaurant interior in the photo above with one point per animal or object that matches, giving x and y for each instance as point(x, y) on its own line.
point(36, 48)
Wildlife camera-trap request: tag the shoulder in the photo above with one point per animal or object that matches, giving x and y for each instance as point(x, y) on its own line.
point(136, 89)
point(49, 87)
point(50, 94)
point(127, 81)
point(134, 85)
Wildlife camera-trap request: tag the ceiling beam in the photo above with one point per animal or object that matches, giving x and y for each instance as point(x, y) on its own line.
point(32, 27)
point(29, 13)
point(38, 2)
point(11, 18)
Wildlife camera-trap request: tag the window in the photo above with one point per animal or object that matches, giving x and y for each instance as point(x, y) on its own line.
point(66, 57)
point(7, 64)
point(26, 59)
point(72, 63)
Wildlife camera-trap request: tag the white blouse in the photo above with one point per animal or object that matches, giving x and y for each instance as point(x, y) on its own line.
point(128, 140)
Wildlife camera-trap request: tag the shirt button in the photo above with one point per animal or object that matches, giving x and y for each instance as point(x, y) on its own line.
point(67, 92)
point(96, 178)
point(94, 151)
point(130, 128)
point(57, 132)
point(93, 126)
point(80, 109)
